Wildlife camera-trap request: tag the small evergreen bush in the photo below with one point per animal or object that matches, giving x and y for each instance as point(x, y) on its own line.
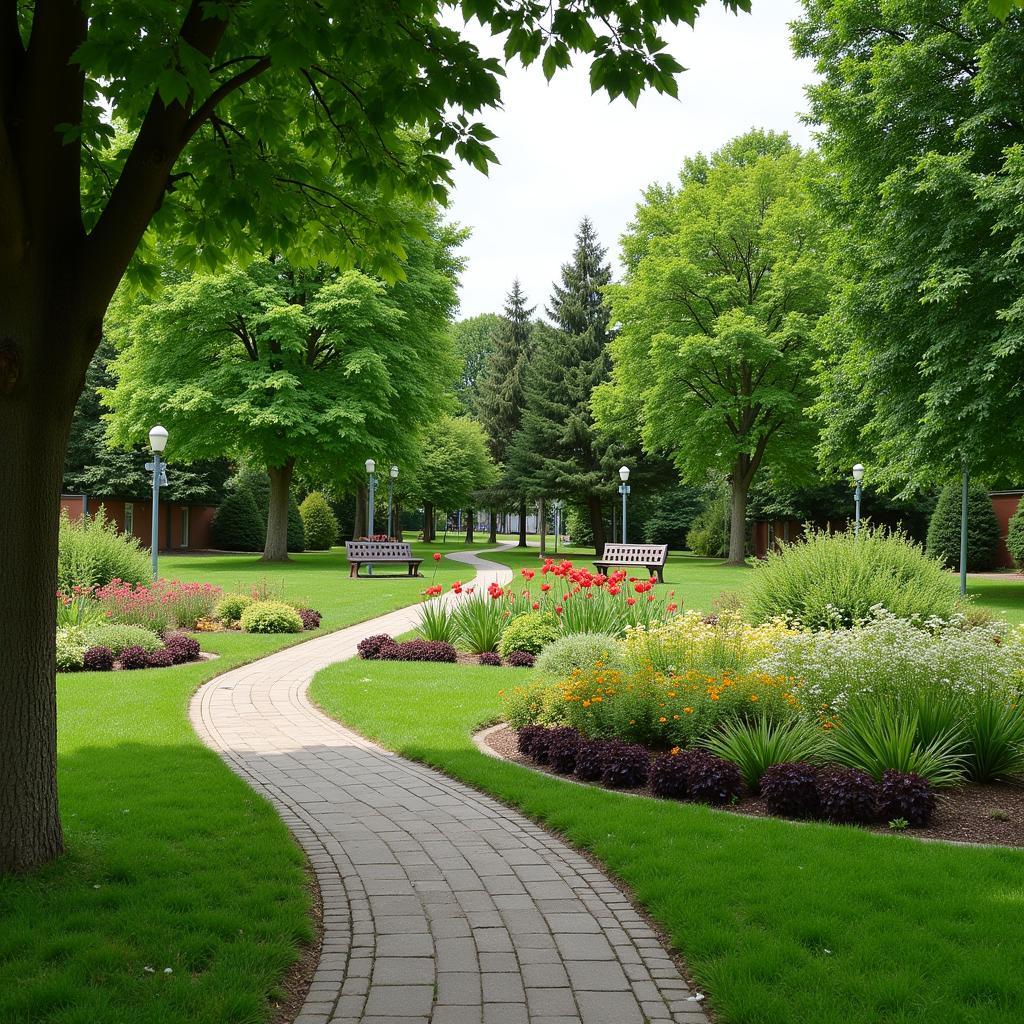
point(1015, 537)
point(72, 643)
point(580, 651)
point(270, 617)
point(707, 535)
point(530, 632)
point(91, 553)
point(230, 607)
point(237, 525)
point(319, 521)
point(296, 530)
point(982, 528)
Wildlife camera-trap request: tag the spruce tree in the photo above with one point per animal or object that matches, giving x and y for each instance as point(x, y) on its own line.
point(558, 451)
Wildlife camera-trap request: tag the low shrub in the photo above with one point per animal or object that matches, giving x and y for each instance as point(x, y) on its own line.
point(626, 765)
point(1015, 537)
point(427, 650)
point(584, 651)
point(833, 580)
point(490, 658)
point(531, 633)
point(98, 659)
point(270, 617)
point(791, 790)
point(160, 659)
point(311, 618)
point(563, 746)
point(540, 745)
point(526, 736)
point(91, 552)
point(72, 643)
point(668, 776)
point(520, 659)
point(319, 522)
point(230, 607)
point(590, 759)
point(369, 647)
point(390, 651)
point(712, 780)
point(183, 648)
point(535, 703)
point(135, 657)
point(848, 795)
point(756, 746)
point(906, 795)
point(118, 637)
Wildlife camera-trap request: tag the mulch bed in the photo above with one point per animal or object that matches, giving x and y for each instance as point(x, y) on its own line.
point(973, 813)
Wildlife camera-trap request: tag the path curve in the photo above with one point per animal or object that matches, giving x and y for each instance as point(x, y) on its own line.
point(441, 905)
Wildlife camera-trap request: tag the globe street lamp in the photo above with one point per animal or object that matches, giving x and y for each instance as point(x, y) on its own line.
point(392, 477)
point(858, 476)
point(624, 491)
point(157, 442)
point(556, 507)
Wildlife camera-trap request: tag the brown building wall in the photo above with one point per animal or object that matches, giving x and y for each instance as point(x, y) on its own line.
point(1004, 504)
point(171, 530)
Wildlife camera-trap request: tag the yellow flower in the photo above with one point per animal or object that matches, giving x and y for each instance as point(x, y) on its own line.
point(663, 719)
point(674, 750)
point(688, 711)
point(753, 697)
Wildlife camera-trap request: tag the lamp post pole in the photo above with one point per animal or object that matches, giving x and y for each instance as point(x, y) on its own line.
point(858, 476)
point(392, 477)
point(963, 532)
point(370, 501)
point(624, 491)
point(157, 442)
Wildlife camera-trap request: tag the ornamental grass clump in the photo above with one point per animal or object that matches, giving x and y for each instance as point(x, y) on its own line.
point(626, 765)
point(993, 725)
point(480, 618)
point(668, 775)
point(848, 795)
point(906, 795)
point(834, 580)
point(437, 622)
point(791, 790)
point(757, 746)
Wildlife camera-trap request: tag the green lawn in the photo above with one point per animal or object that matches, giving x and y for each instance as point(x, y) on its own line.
point(779, 922)
point(171, 860)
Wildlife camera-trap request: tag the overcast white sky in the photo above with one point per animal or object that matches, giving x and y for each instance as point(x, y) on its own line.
point(566, 154)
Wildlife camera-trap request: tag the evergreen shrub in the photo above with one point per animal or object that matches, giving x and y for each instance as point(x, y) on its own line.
point(270, 617)
point(982, 528)
point(237, 525)
point(320, 523)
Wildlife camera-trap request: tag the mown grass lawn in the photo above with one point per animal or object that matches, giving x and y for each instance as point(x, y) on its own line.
point(781, 923)
point(172, 861)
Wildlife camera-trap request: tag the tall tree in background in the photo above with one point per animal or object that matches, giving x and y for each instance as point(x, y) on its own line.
point(500, 396)
point(924, 138)
point(725, 283)
point(473, 339)
point(558, 449)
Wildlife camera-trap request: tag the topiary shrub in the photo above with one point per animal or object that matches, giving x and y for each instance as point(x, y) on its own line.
point(590, 759)
point(982, 528)
point(319, 521)
point(791, 790)
point(832, 580)
point(119, 636)
point(563, 746)
point(98, 659)
point(296, 531)
point(668, 776)
point(270, 617)
point(160, 659)
point(906, 795)
point(369, 647)
point(580, 651)
point(626, 765)
point(712, 780)
point(183, 648)
point(427, 650)
point(311, 618)
point(520, 659)
point(91, 552)
point(530, 632)
point(237, 525)
point(848, 795)
point(134, 657)
point(490, 658)
point(230, 607)
point(1015, 537)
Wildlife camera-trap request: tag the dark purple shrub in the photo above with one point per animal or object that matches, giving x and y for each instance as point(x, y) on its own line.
point(590, 759)
point(390, 651)
point(134, 657)
point(527, 736)
point(490, 658)
point(563, 746)
point(162, 658)
point(98, 659)
point(182, 647)
point(310, 618)
point(626, 765)
point(906, 795)
point(791, 790)
point(668, 774)
point(427, 650)
point(847, 795)
point(369, 647)
point(542, 745)
point(520, 659)
point(712, 780)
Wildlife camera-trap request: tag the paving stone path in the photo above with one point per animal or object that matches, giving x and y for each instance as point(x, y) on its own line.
point(440, 904)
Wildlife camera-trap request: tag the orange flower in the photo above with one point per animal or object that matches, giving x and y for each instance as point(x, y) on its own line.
point(688, 711)
point(663, 719)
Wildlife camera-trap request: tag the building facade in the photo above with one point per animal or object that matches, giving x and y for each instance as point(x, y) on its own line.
point(182, 526)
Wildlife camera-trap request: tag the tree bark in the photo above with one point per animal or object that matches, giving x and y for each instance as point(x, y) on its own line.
point(493, 535)
point(522, 523)
point(276, 547)
point(597, 523)
point(738, 522)
point(470, 515)
point(359, 526)
point(428, 522)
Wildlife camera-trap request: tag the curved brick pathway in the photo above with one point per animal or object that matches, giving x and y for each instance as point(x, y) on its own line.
point(440, 904)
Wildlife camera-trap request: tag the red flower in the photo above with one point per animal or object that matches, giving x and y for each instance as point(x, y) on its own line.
point(631, 601)
point(535, 606)
point(673, 607)
point(437, 556)
point(558, 609)
point(528, 573)
point(545, 587)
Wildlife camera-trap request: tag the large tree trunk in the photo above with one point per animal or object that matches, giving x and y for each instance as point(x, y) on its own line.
point(597, 523)
point(359, 526)
point(492, 537)
point(470, 516)
point(429, 530)
point(276, 547)
point(738, 522)
point(522, 523)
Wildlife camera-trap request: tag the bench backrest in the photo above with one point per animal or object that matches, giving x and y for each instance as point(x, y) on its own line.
point(377, 550)
point(635, 554)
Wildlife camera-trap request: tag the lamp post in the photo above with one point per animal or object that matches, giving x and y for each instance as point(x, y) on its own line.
point(963, 532)
point(392, 477)
point(157, 442)
point(370, 500)
point(858, 476)
point(624, 491)
point(556, 507)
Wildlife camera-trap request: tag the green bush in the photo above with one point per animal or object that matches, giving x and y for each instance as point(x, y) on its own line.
point(92, 553)
point(832, 580)
point(237, 525)
point(319, 521)
point(296, 531)
point(71, 648)
point(982, 529)
point(580, 651)
point(707, 536)
point(757, 746)
point(271, 617)
point(1015, 537)
point(230, 607)
point(530, 632)
point(479, 621)
point(117, 636)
